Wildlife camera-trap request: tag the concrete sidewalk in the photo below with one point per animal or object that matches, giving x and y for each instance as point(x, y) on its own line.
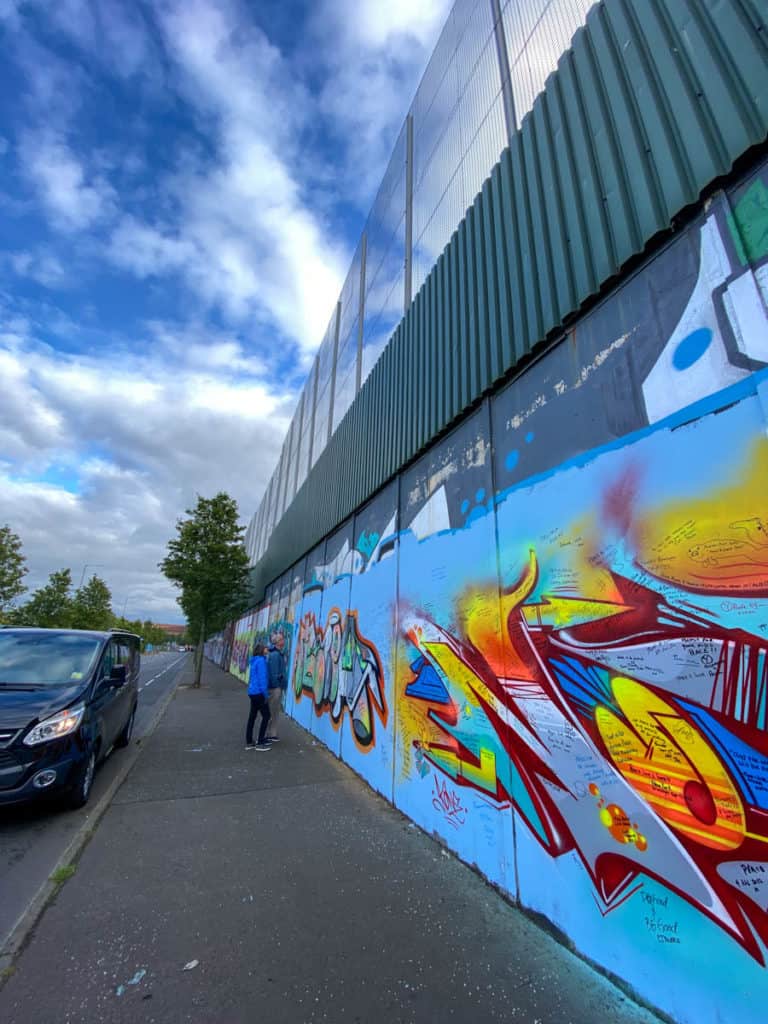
point(297, 893)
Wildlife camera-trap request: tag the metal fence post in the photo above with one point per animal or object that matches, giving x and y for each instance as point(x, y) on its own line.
point(510, 118)
point(361, 311)
point(408, 282)
point(332, 382)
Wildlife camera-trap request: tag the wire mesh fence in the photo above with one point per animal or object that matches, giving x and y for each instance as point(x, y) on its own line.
point(490, 63)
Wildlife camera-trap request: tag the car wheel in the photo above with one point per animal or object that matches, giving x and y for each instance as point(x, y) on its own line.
point(125, 736)
point(81, 790)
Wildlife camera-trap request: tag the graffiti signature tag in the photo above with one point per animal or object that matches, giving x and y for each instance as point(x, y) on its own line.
point(449, 803)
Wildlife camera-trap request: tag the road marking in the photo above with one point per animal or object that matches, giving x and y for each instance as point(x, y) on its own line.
point(167, 669)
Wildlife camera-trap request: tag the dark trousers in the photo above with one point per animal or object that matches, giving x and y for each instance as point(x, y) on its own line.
point(258, 704)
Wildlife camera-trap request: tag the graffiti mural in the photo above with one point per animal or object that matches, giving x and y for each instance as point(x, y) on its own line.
point(550, 734)
point(564, 672)
point(341, 670)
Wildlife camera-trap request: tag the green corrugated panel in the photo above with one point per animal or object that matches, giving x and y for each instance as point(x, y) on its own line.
point(472, 340)
point(388, 467)
point(421, 400)
point(611, 187)
point(637, 211)
point(522, 247)
point(438, 367)
point(434, 346)
point(454, 404)
point(462, 359)
point(392, 399)
point(559, 262)
point(569, 173)
point(742, 46)
point(406, 412)
point(426, 360)
point(483, 341)
point(542, 281)
point(510, 302)
point(360, 437)
point(417, 339)
point(368, 465)
point(398, 412)
point(586, 182)
point(445, 363)
point(433, 356)
point(654, 100)
point(495, 358)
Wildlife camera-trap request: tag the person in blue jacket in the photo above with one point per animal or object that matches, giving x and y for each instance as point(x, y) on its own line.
point(258, 680)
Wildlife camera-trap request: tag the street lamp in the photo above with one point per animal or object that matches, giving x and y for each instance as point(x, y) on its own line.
point(125, 603)
point(89, 565)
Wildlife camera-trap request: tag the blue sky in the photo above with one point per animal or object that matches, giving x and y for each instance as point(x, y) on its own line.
point(182, 186)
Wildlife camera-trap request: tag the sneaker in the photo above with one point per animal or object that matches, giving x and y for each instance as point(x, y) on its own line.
point(274, 739)
point(262, 746)
point(250, 746)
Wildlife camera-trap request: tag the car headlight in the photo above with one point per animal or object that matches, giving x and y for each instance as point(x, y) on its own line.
point(58, 725)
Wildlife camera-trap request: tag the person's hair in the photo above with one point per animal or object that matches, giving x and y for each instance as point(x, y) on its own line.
point(258, 649)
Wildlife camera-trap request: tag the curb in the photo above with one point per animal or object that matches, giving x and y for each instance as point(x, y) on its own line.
point(21, 931)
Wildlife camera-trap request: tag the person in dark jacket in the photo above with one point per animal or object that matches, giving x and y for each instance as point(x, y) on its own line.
point(258, 678)
point(277, 682)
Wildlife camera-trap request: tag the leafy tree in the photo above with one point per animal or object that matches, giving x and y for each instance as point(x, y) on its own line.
point(13, 568)
point(92, 606)
point(147, 630)
point(50, 606)
point(208, 563)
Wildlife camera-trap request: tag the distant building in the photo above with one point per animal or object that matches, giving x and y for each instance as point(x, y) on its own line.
point(173, 629)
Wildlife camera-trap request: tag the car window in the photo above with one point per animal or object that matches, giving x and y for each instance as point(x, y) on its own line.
point(46, 658)
point(133, 647)
point(123, 653)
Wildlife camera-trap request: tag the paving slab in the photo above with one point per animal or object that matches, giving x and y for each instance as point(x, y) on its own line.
point(232, 886)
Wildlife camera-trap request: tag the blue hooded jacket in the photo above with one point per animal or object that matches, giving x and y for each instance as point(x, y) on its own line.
point(257, 676)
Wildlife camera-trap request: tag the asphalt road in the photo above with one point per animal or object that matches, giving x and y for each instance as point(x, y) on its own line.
point(33, 837)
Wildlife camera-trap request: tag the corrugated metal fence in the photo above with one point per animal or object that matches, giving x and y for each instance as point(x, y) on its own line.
point(653, 102)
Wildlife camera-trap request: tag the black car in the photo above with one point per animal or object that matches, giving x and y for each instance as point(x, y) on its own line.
point(67, 697)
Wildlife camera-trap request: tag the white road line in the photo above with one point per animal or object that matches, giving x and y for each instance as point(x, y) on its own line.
point(166, 669)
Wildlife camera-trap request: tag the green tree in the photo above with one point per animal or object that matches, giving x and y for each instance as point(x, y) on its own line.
point(13, 569)
point(92, 606)
point(50, 606)
point(208, 563)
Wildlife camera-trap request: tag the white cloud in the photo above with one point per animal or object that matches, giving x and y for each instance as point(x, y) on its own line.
point(373, 55)
point(140, 434)
point(74, 199)
point(102, 452)
point(147, 250)
point(245, 238)
point(375, 25)
point(43, 267)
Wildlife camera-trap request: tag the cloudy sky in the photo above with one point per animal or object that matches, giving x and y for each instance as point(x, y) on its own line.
point(182, 186)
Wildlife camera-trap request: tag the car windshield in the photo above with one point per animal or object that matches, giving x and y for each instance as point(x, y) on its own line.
point(45, 659)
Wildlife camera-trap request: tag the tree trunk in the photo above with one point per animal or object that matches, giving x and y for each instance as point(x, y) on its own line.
point(199, 655)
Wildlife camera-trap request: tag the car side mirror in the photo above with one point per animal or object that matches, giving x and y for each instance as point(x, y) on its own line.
point(117, 675)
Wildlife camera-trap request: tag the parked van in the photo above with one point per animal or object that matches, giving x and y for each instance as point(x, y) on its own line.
point(67, 698)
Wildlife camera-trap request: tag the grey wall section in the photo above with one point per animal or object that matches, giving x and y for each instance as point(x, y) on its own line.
point(653, 103)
